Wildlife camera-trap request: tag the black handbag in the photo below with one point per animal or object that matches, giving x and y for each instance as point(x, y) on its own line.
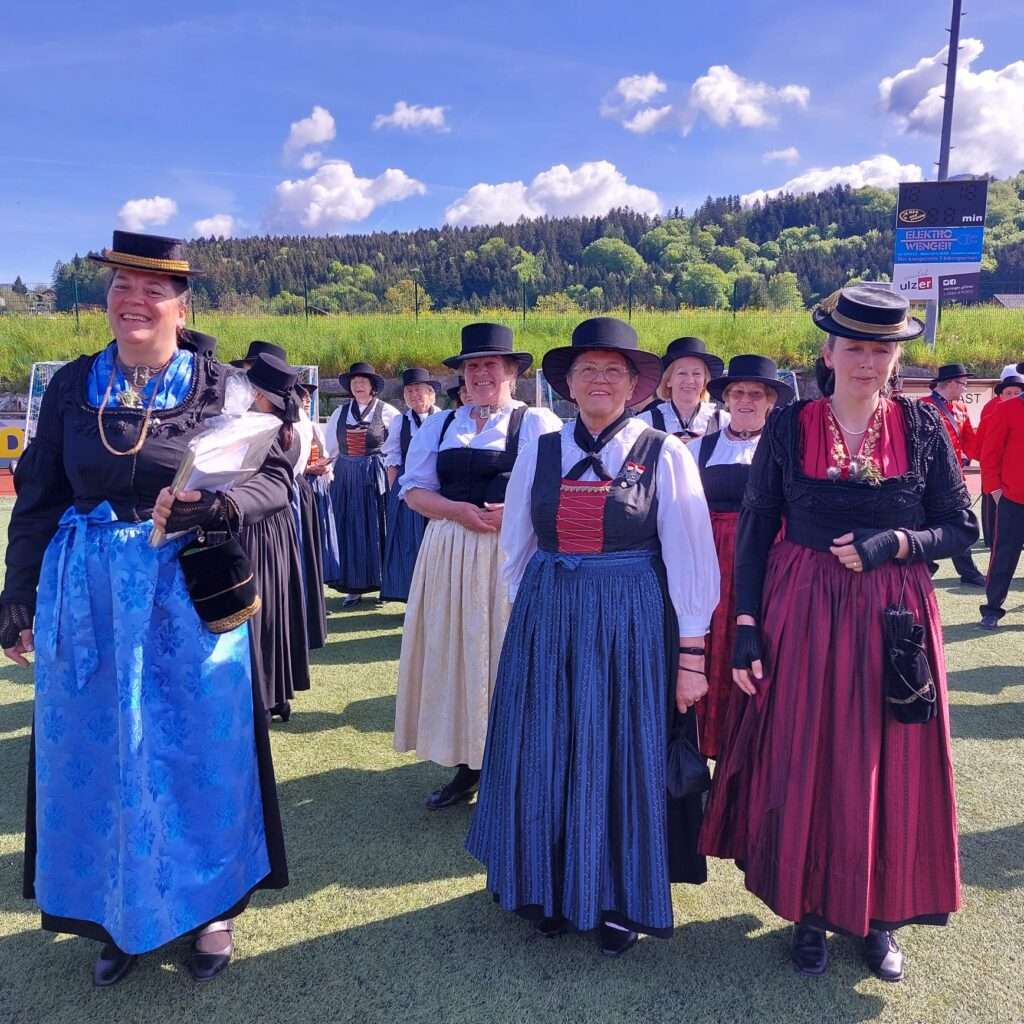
point(220, 580)
point(686, 769)
point(909, 688)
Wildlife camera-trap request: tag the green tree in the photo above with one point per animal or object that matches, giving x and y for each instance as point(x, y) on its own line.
point(401, 297)
point(749, 291)
point(19, 286)
point(287, 304)
point(728, 257)
point(784, 292)
point(613, 256)
point(703, 284)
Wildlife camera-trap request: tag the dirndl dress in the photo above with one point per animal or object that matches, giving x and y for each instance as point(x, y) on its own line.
point(573, 817)
point(311, 547)
point(359, 497)
point(405, 530)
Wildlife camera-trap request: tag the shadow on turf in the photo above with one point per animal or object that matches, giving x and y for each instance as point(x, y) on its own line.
point(992, 859)
point(1004, 721)
point(358, 650)
point(16, 716)
point(989, 679)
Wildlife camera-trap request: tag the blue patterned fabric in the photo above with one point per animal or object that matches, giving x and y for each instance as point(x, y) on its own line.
point(175, 383)
point(571, 816)
point(358, 496)
point(148, 809)
point(321, 486)
point(405, 531)
point(299, 538)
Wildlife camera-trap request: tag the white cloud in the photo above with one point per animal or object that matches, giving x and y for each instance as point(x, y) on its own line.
point(789, 155)
point(138, 214)
point(314, 130)
point(312, 160)
point(412, 117)
point(636, 89)
point(335, 195)
point(220, 225)
point(647, 120)
point(987, 135)
point(882, 171)
point(591, 189)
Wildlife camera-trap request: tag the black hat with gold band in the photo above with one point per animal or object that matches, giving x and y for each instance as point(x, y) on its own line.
point(155, 253)
point(867, 312)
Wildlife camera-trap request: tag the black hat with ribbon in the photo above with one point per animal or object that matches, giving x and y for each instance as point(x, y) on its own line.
point(1014, 380)
point(276, 381)
point(693, 348)
point(154, 253)
point(260, 348)
point(951, 371)
point(453, 391)
point(867, 312)
point(754, 369)
point(201, 344)
point(361, 370)
point(417, 375)
point(604, 334)
point(485, 339)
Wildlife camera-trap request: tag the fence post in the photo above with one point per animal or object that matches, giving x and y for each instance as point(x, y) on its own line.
point(524, 302)
point(305, 294)
point(78, 322)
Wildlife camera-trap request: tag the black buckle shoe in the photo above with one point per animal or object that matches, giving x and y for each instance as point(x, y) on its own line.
point(884, 956)
point(615, 941)
point(551, 927)
point(205, 965)
point(989, 621)
point(809, 951)
point(351, 600)
point(111, 966)
point(450, 794)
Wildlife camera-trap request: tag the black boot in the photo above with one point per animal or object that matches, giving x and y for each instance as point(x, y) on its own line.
point(111, 966)
point(809, 951)
point(883, 955)
point(462, 787)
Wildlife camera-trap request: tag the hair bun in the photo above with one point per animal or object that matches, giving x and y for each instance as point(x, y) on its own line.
point(825, 378)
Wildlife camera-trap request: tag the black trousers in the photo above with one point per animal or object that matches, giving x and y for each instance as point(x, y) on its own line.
point(1006, 549)
point(988, 518)
point(963, 563)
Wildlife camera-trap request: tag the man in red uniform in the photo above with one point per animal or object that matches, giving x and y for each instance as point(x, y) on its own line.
point(948, 389)
point(1011, 385)
point(1002, 476)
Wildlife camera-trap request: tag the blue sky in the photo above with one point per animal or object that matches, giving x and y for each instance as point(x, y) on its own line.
point(655, 104)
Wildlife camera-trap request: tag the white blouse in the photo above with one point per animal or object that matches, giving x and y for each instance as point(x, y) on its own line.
point(389, 413)
point(729, 451)
point(304, 432)
point(421, 460)
point(699, 422)
point(392, 450)
point(684, 525)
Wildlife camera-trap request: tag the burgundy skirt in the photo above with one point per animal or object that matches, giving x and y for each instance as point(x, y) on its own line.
point(838, 814)
point(713, 710)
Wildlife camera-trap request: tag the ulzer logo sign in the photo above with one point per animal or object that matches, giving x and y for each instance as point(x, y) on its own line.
point(922, 284)
point(912, 216)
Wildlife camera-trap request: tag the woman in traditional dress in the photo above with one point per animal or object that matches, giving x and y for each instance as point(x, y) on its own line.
point(356, 433)
point(842, 817)
point(405, 527)
point(455, 474)
point(319, 475)
point(278, 630)
point(152, 810)
point(685, 409)
point(308, 518)
point(748, 392)
point(609, 553)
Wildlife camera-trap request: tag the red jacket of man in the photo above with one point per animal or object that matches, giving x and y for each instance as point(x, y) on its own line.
point(958, 426)
point(1002, 457)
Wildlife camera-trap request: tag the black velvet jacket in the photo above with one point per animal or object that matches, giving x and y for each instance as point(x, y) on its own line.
point(930, 501)
point(66, 464)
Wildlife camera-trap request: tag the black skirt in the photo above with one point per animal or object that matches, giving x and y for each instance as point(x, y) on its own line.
point(277, 632)
point(313, 565)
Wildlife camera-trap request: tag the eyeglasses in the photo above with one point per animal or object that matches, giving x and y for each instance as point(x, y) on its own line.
point(610, 374)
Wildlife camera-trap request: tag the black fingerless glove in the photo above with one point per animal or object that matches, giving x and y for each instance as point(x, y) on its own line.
point(747, 649)
point(13, 619)
point(209, 513)
point(876, 549)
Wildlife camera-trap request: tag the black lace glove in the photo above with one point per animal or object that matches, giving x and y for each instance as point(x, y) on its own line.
point(210, 512)
point(746, 648)
point(875, 549)
point(13, 619)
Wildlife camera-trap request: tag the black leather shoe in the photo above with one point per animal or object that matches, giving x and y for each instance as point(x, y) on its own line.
point(351, 601)
point(551, 927)
point(989, 622)
point(211, 951)
point(283, 711)
point(111, 966)
point(615, 941)
point(883, 955)
point(974, 581)
point(809, 951)
point(450, 794)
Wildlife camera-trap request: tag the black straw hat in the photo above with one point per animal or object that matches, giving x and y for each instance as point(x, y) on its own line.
point(755, 369)
point(1015, 380)
point(867, 312)
point(417, 375)
point(260, 348)
point(604, 334)
point(951, 371)
point(154, 253)
point(484, 339)
point(201, 344)
point(692, 348)
point(276, 380)
point(361, 370)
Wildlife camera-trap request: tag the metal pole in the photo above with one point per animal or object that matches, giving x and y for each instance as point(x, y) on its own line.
point(416, 298)
point(947, 106)
point(78, 322)
point(629, 300)
point(524, 302)
point(305, 294)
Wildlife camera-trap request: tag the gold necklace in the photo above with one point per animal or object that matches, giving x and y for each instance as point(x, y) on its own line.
point(143, 432)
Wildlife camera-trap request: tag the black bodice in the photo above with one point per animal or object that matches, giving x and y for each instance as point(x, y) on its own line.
point(724, 486)
point(372, 426)
point(479, 475)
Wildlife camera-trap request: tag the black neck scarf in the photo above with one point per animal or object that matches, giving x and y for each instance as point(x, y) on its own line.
point(684, 424)
point(359, 415)
point(416, 418)
point(586, 442)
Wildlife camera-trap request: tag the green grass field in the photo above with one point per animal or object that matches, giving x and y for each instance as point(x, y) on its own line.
point(983, 337)
point(386, 919)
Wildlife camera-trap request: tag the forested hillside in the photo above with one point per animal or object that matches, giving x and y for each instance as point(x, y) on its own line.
point(784, 253)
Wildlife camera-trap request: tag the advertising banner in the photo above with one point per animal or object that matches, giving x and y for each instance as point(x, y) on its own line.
point(940, 231)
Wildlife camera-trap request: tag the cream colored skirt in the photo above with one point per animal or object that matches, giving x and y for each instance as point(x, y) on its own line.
point(455, 622)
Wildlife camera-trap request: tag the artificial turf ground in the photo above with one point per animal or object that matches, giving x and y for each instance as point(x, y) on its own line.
point(386, 919)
